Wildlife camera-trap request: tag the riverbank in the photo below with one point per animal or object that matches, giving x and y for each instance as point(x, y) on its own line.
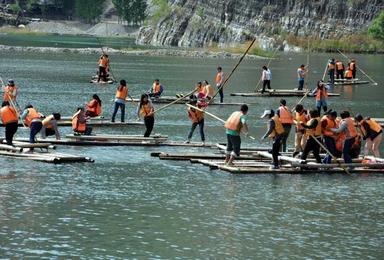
point(132, 51)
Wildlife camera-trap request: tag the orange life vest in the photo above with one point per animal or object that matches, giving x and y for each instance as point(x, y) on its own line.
point(321, 93)
point(352, 66)
point(94, 106)
point(330, 124)
point(373, 125)
point(233, 122)
point(279, 129)
point(122, 92)
point(146, 109)
point(195, 115)
point(156, 88)
point(219, 78)
point(339, 65)
point(78, 126)
point(300, 118)
point(316, 132)
point(348, 73)
point(103, 62)
point(350, 127)
point(331, 66)
point(9, 93)
point(32, 115)
point(285, 115)
point(208, 91)
point(8, 115)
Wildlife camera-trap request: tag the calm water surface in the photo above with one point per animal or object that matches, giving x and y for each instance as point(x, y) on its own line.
point(130, 205)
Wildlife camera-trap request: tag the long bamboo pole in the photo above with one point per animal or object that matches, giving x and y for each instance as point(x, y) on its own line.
point(325, 71)
point(175, 101)
point(345, 56)
point(217, 118)
point(233, 70)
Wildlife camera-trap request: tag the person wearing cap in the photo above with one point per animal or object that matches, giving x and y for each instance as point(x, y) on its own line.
point(321, 95)
point(197, 118)
point(328, 121)
point(276, 132)
point(312, 131)
point(235, 124)
point(300, 139)
point(372, 133)
point(286, 119)
point(301, 76)
point(10, 91)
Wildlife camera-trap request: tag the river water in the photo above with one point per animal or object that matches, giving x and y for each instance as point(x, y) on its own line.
point(130, 205)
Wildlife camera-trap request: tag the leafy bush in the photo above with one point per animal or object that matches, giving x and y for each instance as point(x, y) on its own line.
point(376, 30)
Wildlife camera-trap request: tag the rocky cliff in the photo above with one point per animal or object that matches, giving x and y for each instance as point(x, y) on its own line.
point(197, 23)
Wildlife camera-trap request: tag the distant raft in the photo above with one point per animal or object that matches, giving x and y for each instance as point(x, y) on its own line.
point(280, 93)
point(350, 82)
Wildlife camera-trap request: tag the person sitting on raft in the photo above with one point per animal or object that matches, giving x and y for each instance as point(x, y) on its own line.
point(79, 123)
point(197, 118)
point(50, 126)
point(10, 119)
point(156, 90)
point(32, 119)
point(208, 90)
point(146, 111)
point(276, 132)
point(93, 107)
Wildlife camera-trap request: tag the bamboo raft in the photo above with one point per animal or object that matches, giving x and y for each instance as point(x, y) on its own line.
point(169, 99)
point(259, 162)
point(18, 151)
point(279, 93)
point(95, 122)
point(350, 82)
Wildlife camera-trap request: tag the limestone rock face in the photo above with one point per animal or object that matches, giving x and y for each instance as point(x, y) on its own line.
point(197, 23)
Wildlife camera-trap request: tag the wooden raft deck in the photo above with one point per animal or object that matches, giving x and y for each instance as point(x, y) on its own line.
point(169, 99)
point(279, 93)
point(351, 82)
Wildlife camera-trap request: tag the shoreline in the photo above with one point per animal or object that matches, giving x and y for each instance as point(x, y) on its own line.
point(146, 52)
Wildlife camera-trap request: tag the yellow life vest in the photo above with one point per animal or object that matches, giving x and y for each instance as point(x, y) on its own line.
point(279, 129)
point(316, 132)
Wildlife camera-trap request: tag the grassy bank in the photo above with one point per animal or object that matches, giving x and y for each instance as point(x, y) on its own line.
point(357, 43)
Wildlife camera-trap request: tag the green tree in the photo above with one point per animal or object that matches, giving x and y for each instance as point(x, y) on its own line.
point(376, 30)
point(131, 11)
point(89, 10)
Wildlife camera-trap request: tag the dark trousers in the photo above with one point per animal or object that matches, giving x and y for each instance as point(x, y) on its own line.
point(90, 113)
point(313, 146)
point(301, 85)
point(275, 150)
point(201, 126)
point(102, 74)
point(266, 83)
point(122, 108)
point(354, 74)
point(10, 131)
point(149, 121)
point(35, 129)
point(285, 135)
point(155, 95)
point(233, 144)
point(347, 146)
point(87, 131)
point(331, 146)
point(332, 76)
point(221, 93)
point(340, 74)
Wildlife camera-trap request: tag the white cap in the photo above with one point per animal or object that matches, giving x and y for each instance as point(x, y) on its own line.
point(266, 113)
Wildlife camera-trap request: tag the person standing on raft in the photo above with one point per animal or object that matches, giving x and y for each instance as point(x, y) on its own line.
point(266, 77)
point(79, 123)
point(10, 119)
point(312, 130)
point(103, 67)
point(32, 119)
point(120, 99)
point(286, 119)
point(197, 118)
point(208, 90)
point(146, 111)
point(300, 139)
point(321, 95)
point(301, 76)
point(329, 121)
point(339, 69)
point(331, 70)
point(10, 91)
point(219, 81)
point(353, 66)
point(235, 124)
point(276, 132)
point(93, 107)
